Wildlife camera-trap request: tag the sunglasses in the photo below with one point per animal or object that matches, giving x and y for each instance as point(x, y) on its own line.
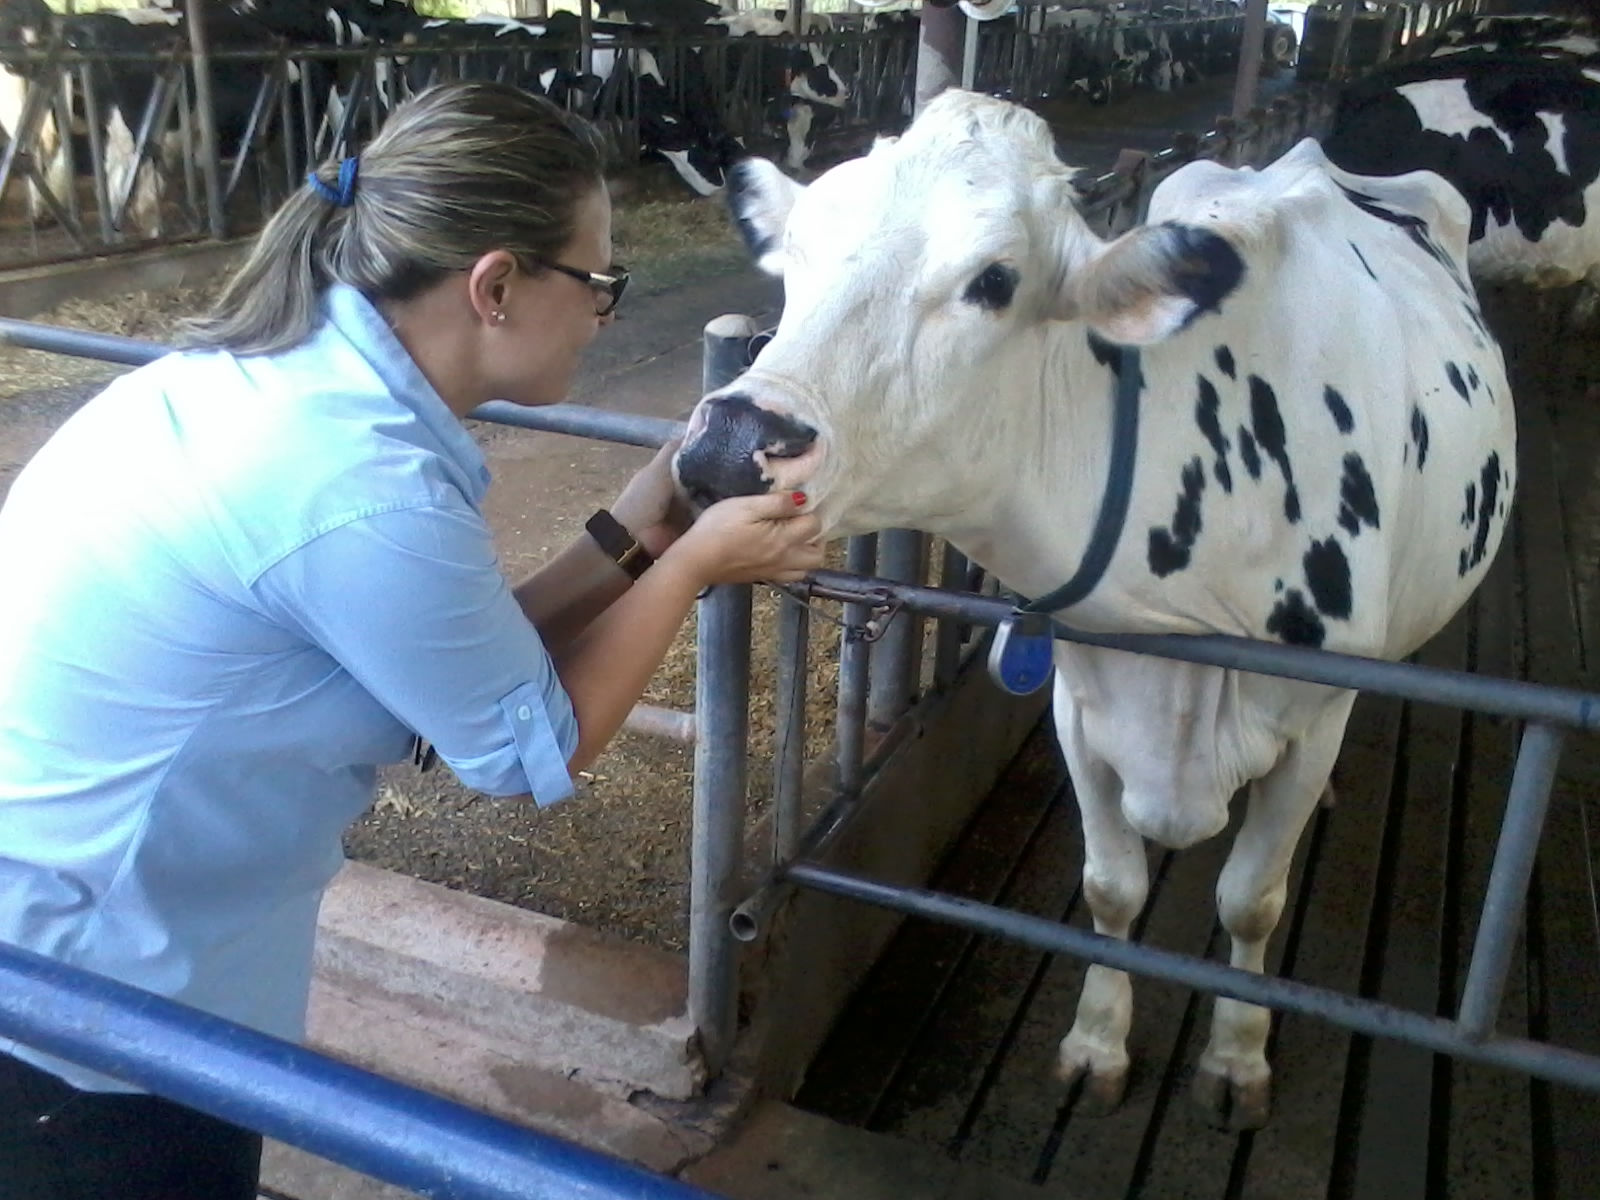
point(610, 286)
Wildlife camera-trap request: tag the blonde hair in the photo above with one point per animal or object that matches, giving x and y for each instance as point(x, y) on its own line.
point(458, 170)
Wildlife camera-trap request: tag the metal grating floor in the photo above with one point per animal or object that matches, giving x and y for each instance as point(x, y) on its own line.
point(951, 1040)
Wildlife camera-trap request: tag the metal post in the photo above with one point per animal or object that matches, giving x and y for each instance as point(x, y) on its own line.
point(586, 37)
point(969, 54)
point(947, 650)
point(1248, 81)
point(210, 170)
point(1397, 17)
point(1503, 902)
point(797, 24)
point(854, 658)
point(789, 755)
point(722, 728)
point(1340, 61)
point(939, 52)
point(897, 656)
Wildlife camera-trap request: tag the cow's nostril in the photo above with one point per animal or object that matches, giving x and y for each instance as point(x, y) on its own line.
point(735, 437)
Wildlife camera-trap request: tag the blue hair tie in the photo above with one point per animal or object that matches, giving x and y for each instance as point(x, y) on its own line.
point(346, 194)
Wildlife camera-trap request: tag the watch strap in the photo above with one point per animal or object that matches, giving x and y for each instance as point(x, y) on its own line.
point(612, 536)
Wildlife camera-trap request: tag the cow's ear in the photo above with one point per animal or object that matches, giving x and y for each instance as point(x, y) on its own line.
point(1152, 282)
point(761, 197)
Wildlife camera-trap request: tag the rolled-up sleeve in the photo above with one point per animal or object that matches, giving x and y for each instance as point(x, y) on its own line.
point(412, 603)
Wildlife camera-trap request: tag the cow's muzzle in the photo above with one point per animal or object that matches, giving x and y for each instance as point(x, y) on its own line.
point(730, 444)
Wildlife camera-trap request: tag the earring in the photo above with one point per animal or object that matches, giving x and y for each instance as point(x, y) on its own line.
point(499, 317)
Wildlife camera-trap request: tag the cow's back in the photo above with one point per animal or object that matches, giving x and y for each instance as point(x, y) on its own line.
point(1328, 459)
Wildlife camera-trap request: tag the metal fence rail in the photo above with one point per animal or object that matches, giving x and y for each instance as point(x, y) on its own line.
point(388, 1130)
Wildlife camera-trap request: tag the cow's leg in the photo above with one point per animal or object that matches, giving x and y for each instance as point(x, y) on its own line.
point(1116, 883)
point(1233, 1083)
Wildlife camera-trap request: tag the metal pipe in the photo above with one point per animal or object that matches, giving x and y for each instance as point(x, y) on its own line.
point(1503, 902)
point(1340, 59)
point(1248, 79)
point(654, 721)
point(1427, 685)
point(722, 729)
point(947, 648)
point(388, 1130)
point(939, 52)
point(850, 729)
point(575, 419)
point(1351, 1012)
point(969, 54)
point(789, 722)
point(586, 38)
point(97, 155)
point(897, 655)
point(206, 113)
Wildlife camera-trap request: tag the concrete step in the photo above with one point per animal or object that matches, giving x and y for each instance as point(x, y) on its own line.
point(549, 994)
point(784, 1153)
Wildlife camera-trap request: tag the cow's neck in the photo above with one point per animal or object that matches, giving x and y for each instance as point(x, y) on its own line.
point(1032, 523)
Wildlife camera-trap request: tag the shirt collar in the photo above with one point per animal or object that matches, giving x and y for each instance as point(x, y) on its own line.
point(359, 321)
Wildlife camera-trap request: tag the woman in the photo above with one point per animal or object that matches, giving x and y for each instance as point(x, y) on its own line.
point(249, 572)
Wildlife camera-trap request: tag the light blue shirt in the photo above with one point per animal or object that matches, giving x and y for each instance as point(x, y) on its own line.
point(232, 587)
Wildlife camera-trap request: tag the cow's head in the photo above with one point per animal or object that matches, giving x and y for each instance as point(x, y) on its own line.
point(926, 288)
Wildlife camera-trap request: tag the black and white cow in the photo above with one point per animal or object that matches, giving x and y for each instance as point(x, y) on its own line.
point(800, 90)
point(1326, 458)
point(1518, 135)
point(27, 25)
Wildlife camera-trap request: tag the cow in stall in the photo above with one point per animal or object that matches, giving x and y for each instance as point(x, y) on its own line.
point(801, 90)
point(1326, 459)
point(1518, 135)
point(29, 25)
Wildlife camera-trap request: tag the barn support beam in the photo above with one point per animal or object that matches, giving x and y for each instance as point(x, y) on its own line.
point(1339, 63)
point(1247, 83)
point(206, 116)
point(939, 51)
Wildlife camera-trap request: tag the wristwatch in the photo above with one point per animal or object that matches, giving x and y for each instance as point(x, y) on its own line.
point(621, 546)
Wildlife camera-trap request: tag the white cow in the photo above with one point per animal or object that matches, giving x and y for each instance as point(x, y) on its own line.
point(1327, 455)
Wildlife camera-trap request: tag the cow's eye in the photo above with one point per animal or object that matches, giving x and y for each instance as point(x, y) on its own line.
point(993, 288)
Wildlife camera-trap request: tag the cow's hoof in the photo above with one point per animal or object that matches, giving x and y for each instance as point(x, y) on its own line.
point(1230, 1105)
point(1093, 1093)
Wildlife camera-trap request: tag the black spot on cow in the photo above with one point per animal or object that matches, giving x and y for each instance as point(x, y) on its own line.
point(1453, 373)
point(1342, 417)
point(1328, 576)
point(1469, 510)
point(1413, 226)
point(1473, 381)
point(1296, 622)
point(1419, 436)
point(1202, 267)
point(1488, 508)
point(1170, 548)
point(1207, 411)
point(1358, 500)
point(1267, 423)
point(1363, 259)
point(1248, 453)
point(1225, 362)
point(1504, 168)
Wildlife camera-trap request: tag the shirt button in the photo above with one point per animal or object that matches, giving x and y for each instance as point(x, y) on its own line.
point(524, 713)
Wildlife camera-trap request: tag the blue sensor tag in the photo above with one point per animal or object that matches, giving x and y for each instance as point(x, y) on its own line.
point(1022, 656)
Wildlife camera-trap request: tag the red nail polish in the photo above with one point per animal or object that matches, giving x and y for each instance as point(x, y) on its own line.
point(799, 498)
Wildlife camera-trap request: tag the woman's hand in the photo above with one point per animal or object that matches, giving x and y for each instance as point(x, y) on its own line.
point(651, 508)
point(750, 539)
